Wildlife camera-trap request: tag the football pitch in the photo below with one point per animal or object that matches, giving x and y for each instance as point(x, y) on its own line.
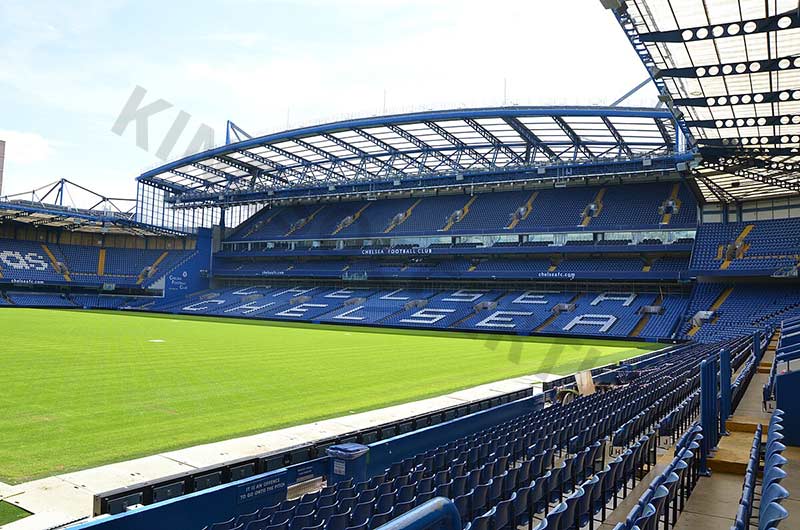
point(81, 389)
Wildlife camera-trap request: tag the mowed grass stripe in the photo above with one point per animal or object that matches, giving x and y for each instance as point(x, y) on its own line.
point(81, 389)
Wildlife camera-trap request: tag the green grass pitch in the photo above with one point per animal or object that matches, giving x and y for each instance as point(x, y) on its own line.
point(81, 389)
point(10, 513)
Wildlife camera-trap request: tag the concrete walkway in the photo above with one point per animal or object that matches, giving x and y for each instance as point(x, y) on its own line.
point(64, 499)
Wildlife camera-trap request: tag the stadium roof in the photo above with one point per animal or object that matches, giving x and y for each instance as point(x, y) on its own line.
point(410, 146)
point(731, 68)
point(54, 206)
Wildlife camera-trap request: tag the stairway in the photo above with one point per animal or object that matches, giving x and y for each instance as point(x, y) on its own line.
point(342, 225)
point(303, 222)
point(739, 240)
point(554, 316)
point(598, 200)
point(667, 217)
point(54, 263)
point(645, 319)
point(528, 209)
point(464, 211)
point(406, 215)
point(143, 275)
point(101, 262)
point(716, 305)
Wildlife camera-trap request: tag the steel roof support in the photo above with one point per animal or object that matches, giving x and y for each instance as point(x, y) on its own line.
point(214, 171)
point(573, 136)
point(363, 155)
point(280, 168)
point(336, 160)
point(424, 147)
point(740, 168)
point(618, 137)
point(498, 144)
point(530, 137)
point(307, 164)
point(459, 145)
point(204, 182)
point(721, 194)
point(781, 21)
point(706, 71)
point(396, 153)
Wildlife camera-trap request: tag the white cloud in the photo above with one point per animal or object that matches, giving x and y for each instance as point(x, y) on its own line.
point(25, 147)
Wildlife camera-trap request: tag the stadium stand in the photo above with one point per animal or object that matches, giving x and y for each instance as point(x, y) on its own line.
point(45, 263)
point(546, 468)
point(662, 225)
point(498, 212)
point(522, 312)
point(751, 246)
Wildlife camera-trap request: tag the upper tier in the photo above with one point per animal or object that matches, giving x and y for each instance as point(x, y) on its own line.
point(632, 206)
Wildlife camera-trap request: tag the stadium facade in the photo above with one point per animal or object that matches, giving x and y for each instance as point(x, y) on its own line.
point(677, 224)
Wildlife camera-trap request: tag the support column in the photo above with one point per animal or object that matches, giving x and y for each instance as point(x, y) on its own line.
point(724, 390)
point(709, 417)
point(757, 347)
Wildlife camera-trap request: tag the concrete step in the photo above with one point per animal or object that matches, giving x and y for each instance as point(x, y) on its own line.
point(732, 454)
point(743, 424)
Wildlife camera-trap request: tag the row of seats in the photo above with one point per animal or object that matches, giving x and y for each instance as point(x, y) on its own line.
point(546, 467)
point(43, 263)
point(602, 313)
point(788, 349)
point(748, 246)
point(668, 491)
point(629, 206)
point(741, 308)
point(27, 299)
point(768, 497)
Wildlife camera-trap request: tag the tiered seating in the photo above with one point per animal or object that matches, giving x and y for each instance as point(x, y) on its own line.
point(550, 209)
point(638, 204)
point(746, 309)
point(670, 489)
point(772, 496)
point(377, 217)
point(516, 311)
point(443, 310)
point(26, 262)
point(39, 299)
point(788, 350)
point(376, 308)
point(546, 467)
point(608, 314)
point(100, 301)
point(31, 262)
point(467, 309)
point(82, 262)
point(755, 246)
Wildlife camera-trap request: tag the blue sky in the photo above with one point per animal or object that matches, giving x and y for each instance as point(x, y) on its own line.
point(67, 69)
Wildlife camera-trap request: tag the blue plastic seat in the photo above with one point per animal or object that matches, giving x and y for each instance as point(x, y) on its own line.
point(770, 516)
point(503, 514)
point(338, 521)
point(257, 524)
point(224, 525)
point(554, 517)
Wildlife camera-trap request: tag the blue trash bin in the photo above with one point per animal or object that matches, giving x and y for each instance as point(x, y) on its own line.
point(347, 461)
